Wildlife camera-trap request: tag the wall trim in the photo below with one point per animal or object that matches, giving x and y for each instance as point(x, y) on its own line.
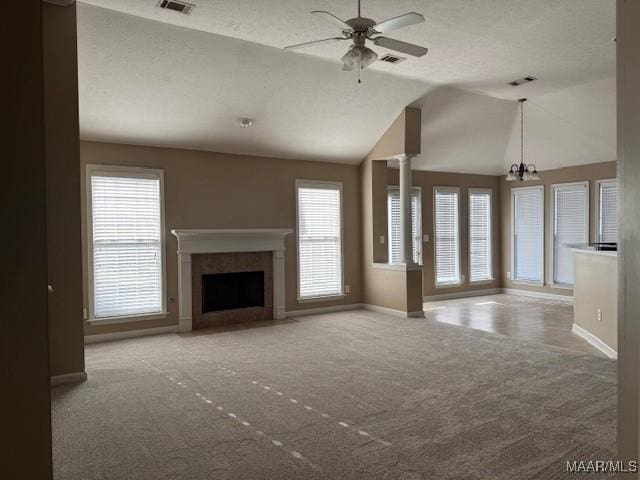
point(393, 311)
point(531, 293)
point(67, 378)
point(315, 311)
point(469, 293)
point(109, 337)
point(595, 341)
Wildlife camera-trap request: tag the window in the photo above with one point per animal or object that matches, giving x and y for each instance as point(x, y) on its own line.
point(480, 235)
point(446, 232)
point(607, 211)
point(319, 239)
point(126, 231)
point(527, 206)
point(570, 209)
point(393, 215)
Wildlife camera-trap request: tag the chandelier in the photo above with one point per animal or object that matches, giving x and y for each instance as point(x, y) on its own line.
point(522, 172)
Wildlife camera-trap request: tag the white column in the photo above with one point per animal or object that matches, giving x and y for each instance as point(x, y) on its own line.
point(184, 291)
point(406, 256)
point(278, 285)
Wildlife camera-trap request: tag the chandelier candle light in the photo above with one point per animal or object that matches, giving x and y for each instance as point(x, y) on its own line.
point(522, 172)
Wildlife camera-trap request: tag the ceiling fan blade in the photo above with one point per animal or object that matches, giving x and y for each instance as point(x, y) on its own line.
point(398, 46)
point(398, 22)
point(315, 42)
point(330, 17)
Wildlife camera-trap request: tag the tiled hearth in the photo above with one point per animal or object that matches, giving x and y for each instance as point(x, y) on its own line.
point(207, 263)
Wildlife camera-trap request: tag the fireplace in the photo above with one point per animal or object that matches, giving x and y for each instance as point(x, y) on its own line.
point(221, 274)
point(228, 291)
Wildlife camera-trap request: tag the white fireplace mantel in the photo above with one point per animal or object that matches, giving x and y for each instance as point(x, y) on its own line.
point(228, 241)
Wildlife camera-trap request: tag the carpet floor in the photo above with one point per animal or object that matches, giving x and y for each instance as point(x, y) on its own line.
point(348, 395)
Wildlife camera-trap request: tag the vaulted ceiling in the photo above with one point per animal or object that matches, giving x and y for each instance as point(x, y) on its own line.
point(156, 77)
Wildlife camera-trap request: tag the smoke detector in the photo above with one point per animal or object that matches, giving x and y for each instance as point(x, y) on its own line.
point(176, 6)
point(245, 122)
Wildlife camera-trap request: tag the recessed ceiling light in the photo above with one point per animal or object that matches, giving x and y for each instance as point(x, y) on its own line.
point(245, 122)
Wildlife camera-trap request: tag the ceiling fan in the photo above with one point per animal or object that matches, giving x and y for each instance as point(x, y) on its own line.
point(359, 30)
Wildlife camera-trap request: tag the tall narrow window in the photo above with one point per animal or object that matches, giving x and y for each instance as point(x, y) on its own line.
point(607, 211)
point(319, 239)
point(447, 239)
point(527, 208)
point(126, 247)
point(570, 226)
point(393, 215)
point(480, 235)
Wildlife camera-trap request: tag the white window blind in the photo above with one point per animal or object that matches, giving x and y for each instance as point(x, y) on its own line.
point(479, 235)
point(608, 211)
point(319, 239)
point(126, 241)
point(528, 234)
point(393, 217)
point(570, 226)
point(447, 241)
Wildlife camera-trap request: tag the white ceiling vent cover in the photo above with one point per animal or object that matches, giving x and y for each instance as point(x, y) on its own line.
point(176, 6)
point(393, 59)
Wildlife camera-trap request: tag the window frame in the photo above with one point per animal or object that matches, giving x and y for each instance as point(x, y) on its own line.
point(460, 281)
point(552, 231)
point(125, 172)
point(541, 266)
point(598, 206)
point(328, 184)
point(420, 249)
point(491, 253)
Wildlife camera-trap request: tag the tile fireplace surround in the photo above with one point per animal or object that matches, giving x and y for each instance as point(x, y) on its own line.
point(197, 243)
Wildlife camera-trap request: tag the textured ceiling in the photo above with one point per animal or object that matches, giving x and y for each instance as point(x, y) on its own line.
point(475, 44)
point(146, 79)
point(145, 82)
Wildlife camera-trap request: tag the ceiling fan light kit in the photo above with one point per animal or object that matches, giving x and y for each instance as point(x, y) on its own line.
point(361, 29)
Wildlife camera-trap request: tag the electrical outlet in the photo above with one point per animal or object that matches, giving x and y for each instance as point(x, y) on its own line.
point(85, 315)
point(599, 314)
point(347, 289)
point(508, 274)
point(382, 239)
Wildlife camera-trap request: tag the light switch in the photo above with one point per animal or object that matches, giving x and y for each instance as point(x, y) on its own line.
point(382, 239)
point(347, 289)
point(425, 238)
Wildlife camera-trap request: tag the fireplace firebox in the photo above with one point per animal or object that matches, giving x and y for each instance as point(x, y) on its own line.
point(229, 291)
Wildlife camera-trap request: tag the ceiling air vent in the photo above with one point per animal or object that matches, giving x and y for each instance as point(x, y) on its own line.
point(522, 81)
point(177, 6)
point(392, 59)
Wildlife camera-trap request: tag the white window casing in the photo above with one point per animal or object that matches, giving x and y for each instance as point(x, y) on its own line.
point(126, 244)
point(319, 235)
point(607, 201)
point(527, 234)
point(446, 228)
point(480, 235)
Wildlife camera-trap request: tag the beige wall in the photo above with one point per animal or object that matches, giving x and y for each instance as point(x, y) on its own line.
point(64, 259)
point(628, 50)
point(24, 365)
point(596, 288)
point(395, 289)
point(579, 173)
point(427, 181)
point(212, 190)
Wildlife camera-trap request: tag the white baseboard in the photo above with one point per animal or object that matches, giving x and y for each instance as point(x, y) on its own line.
point(75, 377)
point(315, 311)
point(392, 311)
point(595, 341)
point(109, 337)
point(470, 293)
point(532, 293)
